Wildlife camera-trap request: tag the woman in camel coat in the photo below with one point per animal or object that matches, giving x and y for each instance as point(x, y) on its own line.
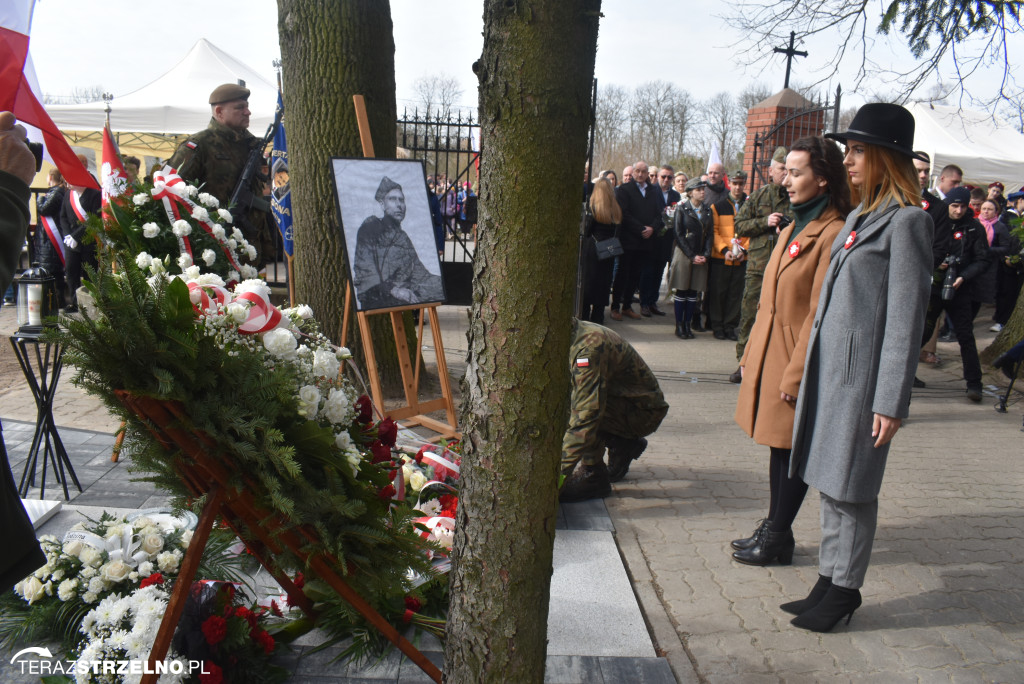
point(773, 363)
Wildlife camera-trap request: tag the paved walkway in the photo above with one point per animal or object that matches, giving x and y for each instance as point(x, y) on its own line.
point(945, 593)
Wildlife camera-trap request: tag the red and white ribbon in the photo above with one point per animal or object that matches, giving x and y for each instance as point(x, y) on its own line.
point(76, 205)
point(262, 316)
point(210, 297)
point(441, 464)
point(53, 233)
point(167, 185)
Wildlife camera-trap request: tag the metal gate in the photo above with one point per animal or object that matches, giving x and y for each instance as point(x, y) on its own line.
point(450, 150)
point(796, 124)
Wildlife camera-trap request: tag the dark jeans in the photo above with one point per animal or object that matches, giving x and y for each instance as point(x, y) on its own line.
point(726, 294)
point(627, 277)
point(960, 313)
point(650, 277)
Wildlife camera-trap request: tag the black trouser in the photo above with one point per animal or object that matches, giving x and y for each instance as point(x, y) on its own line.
point(725, 290)
point(627, 277)
point(959, 310)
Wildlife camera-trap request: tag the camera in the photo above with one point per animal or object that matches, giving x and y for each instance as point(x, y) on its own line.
point(783, 222)
point(37, 152)
point(948, 291)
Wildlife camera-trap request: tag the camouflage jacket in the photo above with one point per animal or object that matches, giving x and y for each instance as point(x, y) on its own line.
point(752, 222)
point(603, 366)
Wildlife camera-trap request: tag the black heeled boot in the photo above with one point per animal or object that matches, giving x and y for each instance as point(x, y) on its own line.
point(680, 330)
point(771, 546)
point(747, 542)
point(839, 602)
point(814, 598)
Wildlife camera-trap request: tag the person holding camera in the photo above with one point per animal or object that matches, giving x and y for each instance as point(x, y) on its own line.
point(968, 258)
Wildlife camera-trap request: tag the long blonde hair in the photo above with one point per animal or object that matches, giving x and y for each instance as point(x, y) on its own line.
point(603, 204)
point(889, 176)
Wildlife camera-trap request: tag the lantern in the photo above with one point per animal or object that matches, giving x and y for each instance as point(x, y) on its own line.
point(37, 300)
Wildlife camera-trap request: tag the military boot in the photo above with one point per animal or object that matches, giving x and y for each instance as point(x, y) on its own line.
point(622, 451)
point(586, 482)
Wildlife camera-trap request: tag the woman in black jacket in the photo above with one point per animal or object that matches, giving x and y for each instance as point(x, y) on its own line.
point(49, 245)
point(688, 273)
point(602, 223)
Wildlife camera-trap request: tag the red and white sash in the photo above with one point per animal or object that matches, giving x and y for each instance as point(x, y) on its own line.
point(76, 204)
point(53, 233)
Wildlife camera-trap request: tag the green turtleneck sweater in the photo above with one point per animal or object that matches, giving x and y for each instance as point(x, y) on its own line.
point(805, 213)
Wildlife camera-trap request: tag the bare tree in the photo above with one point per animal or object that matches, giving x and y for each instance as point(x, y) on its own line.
point(971, 33)
point(724, 125)
point(610, 128)
point(78, 95)
point(437, 95)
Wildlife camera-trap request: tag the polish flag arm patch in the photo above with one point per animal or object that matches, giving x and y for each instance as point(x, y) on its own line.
point(191, 145)
point(583, 362)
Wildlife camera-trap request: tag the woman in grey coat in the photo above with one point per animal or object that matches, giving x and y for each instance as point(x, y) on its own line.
point(861, 355)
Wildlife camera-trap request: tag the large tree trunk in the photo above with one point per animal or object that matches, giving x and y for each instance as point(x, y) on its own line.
point(330, 52)
point(535, 84)
point(1011, 334)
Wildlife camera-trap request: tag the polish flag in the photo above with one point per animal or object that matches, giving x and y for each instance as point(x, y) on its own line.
point(16, 92)
point(113, 178)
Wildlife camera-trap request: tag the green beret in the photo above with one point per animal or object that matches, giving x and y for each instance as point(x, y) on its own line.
point(386, 186)
point(229, 92)
point(780, 155)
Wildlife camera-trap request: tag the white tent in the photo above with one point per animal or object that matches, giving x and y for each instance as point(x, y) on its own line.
point(971, 140)
point(173, 105)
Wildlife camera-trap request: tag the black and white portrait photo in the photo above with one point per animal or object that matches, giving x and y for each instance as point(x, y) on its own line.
point(389, 237)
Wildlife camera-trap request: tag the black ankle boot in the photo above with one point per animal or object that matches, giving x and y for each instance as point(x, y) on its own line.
point(813, 599)
point(770, 546)
point(688, 330)
point(838, 603)
point(747, 542)
point(680, 330)
point(586, 482)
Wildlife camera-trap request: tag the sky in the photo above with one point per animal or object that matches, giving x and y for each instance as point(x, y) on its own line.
point(131, 43)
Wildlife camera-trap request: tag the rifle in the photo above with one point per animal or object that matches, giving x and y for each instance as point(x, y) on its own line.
point(242, 199)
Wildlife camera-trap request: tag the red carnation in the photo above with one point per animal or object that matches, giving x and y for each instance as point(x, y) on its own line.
point(387, 432)
point(407, 616)
point(211, 673)
point(215, 628)
point(413, 603)
point(392, 474)
point(419, 454)
point(246, 615)
point(155, 578)
point(263, 638)
point(365, 409)
point(387, 492)
point(380, 451)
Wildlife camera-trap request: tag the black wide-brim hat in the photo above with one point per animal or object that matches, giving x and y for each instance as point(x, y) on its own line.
point(883, 124)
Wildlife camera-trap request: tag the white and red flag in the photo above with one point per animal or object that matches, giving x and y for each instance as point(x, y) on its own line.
point(113, 179)
point(16, 93)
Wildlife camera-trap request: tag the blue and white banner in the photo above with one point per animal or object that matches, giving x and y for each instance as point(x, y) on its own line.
point(280, 194)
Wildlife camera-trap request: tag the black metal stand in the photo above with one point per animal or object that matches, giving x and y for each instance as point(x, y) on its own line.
point(1001, 406)
point(43, 383)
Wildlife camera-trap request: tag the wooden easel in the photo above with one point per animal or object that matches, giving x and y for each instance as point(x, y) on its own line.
point(207, 472)
point(413, 412)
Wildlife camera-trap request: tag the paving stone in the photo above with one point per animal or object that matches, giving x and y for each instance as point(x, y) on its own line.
point(573, 669)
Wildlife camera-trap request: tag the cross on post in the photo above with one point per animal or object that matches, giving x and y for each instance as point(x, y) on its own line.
point(790, 54)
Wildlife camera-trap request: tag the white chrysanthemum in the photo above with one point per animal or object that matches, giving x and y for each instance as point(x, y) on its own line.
point(309, 401)
point(143, 260)
point(87, 572)
point(181, 228)
point(184, 261)
point(209, 200)
point(140, 198)
point(225, 215)
point(325, 364)
point(200, 214)
point(248, 272)
point(209, 256)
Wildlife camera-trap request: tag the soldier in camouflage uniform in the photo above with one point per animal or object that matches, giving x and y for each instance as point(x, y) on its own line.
point(758, 219)
point(214, 158)
point(616, 402)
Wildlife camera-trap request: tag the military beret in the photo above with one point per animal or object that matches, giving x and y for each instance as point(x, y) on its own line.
point(386, 186)
point(997, 184)
point(229, 92)
point(694, 184)
point(1014, 196)
point(779, 155)
point(739, 176)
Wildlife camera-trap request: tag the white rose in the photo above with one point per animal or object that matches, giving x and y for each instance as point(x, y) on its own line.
point(209, 200)
point(30, 589)
point(156, 267)
point(143, 260)
point(181, 228)
point(200, 214)
point(325, 364)
point(309, 401)
point(238, 312)
point(115, 571)
point(73, 548)
point(186, 538)
point(343, 440)
point(417, 480)
point(149, 230)
point(66, 589)
point(304, 311)
point(225, 215)
point(280, 342)
point(141, 199)
point(209, 256)
point(152, 544)
point(343, 353)
point(184, 261)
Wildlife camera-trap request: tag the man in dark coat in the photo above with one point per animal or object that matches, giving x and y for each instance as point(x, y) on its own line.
point(22, 554)
point(215, 158)
point(657, 259)
point(641, 204)
point(79, 204)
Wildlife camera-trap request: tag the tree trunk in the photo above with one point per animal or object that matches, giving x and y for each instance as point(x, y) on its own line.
point(535, 84)
point(1011, 334)
point(330, 52)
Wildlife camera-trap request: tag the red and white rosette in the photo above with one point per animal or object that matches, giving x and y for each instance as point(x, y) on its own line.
point(207, 297)
point(262, 315)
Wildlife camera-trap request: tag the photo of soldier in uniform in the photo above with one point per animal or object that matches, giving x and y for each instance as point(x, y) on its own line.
point(389, 237)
